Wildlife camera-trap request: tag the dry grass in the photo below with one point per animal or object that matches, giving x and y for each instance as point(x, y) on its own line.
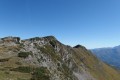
point(98, 69)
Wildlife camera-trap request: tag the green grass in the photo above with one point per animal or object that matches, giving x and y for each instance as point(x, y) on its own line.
point(41, 73)
point(67, 72)
point(23, 69)
point(53, 43)
point(24, 54)
point(4, 60)
point(49, 50)
point(97, 69)
point(10, 75)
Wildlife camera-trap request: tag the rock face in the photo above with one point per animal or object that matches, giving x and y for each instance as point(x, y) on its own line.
point(47, 59)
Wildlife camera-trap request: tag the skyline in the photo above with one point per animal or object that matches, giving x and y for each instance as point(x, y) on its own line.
point(91, 23)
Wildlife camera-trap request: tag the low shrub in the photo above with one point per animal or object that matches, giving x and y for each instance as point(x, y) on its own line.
point(24, 54)
point(41, 73)
point(4, 60)
point(23, 69)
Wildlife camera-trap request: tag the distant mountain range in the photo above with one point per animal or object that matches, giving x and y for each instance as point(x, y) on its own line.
point(109, 55)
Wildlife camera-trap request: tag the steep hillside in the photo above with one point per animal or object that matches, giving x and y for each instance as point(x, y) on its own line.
point(47, 59)
point(109, 55)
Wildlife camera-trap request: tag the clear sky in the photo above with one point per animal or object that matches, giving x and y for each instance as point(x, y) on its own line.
point(92, 23)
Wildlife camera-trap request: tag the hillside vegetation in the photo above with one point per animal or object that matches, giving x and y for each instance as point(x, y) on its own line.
point(47, 59)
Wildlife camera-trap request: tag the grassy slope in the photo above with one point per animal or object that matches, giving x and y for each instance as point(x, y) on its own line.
point(98, 69)
point(9, 62)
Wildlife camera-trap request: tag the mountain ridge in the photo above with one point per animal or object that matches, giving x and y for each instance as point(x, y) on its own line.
point(45, 58)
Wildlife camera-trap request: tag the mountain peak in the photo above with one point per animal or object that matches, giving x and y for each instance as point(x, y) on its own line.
point(77, 46)
point(41, 39)
point(50, 37)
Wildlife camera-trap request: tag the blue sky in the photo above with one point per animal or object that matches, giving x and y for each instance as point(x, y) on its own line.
point(92, 23)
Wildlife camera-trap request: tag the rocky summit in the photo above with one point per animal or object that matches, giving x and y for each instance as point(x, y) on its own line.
point(45, 58)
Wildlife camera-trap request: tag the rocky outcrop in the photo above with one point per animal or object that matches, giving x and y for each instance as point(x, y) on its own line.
point(10, 41)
